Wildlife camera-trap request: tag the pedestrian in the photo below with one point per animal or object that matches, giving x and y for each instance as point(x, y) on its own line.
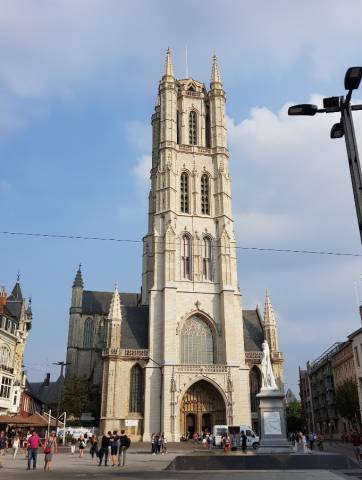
point(243, 439)
point(73, 443)
point(124, 444)
point(114, 440)
point(3, 441)
point(320, 441)
point(210, 441)
point(226, 442)
point(104, 450)
point(81, 445)
point(33, 445)
point(156, 439)
point(94, 446)
point(50, 447)
point(312, 439)
point(15, 445)
point(153, 449)
point(356, 442)
point(163, 444)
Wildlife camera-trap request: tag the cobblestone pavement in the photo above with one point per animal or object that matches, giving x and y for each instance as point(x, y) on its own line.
point(141, 465)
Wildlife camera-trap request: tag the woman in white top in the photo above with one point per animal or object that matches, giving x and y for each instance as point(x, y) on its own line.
point(15, 445)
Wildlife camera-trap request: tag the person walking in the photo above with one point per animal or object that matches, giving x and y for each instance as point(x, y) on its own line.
point(114, 440)
point(320, 441)
point(15, 445)
point(243, 439)
point(103, 451)
point(163, 444)
point(50, 447)
point(81, 445)
point(3, 441)
point(356, 442)
point(153, 448)
point(33, 445)
point(124, 444)
point(94, 446)
point(73, 443)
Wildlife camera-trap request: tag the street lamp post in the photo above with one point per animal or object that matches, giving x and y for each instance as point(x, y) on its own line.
point(344, 128)
point(62, 365)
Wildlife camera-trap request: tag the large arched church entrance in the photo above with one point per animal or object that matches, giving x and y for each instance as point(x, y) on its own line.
point(201, 408)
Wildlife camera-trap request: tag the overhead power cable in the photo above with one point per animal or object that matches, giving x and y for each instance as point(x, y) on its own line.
point(159, 242)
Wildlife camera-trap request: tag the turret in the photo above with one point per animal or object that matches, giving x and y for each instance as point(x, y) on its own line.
point(77, 292)
point(270, 325)
point(217, 107)
point(168, 103)
point(114, 321)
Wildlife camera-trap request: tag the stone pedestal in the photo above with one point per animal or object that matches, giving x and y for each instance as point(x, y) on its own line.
point(273, 435)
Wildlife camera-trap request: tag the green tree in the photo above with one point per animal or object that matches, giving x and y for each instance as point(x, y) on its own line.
point(75, 396)
point(294, 417)
point(347, 401)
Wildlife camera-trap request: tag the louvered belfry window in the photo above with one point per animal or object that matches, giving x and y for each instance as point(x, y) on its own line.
point(192, 128)
point(205, 203)
point(184, 186)
point(186, 257)
point(206, 259)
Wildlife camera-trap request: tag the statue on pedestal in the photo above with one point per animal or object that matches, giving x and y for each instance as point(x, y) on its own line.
point(267, 374)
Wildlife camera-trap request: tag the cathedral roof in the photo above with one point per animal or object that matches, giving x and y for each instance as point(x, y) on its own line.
point(98, 303)
point(253, 331)
point(134, 326)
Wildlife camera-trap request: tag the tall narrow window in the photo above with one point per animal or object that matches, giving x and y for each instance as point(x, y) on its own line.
point(184, 186)
point(206, 258)
point(137, 389)
point(178, 139)
point(192, 128)
point(207, 128)
point(88, 333)
point(205, 203)
point(186, 257)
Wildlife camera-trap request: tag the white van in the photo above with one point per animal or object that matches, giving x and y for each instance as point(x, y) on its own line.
point(252, 440)
point(217, 432)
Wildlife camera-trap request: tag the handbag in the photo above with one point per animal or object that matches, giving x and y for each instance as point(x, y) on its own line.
point(47, 450)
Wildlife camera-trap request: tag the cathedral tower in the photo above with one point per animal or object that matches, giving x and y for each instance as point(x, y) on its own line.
point(196, 344)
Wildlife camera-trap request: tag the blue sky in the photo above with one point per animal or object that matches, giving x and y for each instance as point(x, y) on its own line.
point(78, 81)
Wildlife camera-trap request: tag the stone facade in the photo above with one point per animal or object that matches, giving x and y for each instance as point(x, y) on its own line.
point(185, 341)
point(15, 323)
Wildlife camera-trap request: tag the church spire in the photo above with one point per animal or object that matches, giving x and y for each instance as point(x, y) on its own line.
point(78, 280)
point(215, 81)
point(168, 71)
point(269, 317)
point(115, 307)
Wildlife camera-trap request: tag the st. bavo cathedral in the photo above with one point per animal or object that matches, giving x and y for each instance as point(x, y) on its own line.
point(182, 355)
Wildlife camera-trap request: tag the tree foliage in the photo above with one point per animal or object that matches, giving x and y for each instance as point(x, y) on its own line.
point(294, 417)
point(75, 396)
point(347, 400)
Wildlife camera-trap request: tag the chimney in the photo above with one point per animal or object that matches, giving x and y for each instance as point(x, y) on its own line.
point(46, 380)
point(3, 298)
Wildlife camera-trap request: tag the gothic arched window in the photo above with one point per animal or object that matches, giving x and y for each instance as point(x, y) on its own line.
point(255, 385)
point(184, 197)
point(197, 346)
point(192, 128)
point(88, 333)
point(4, 356)
point(186, 257)
point(206, 258)
point(205, 201)
point(136, 390)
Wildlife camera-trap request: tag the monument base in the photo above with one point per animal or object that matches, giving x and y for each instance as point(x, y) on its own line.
point(273, 435)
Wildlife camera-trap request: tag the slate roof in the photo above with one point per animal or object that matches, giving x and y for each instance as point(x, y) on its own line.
point(99, 302)
point(47, 393)
point(134, 326)
point(253, 331)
